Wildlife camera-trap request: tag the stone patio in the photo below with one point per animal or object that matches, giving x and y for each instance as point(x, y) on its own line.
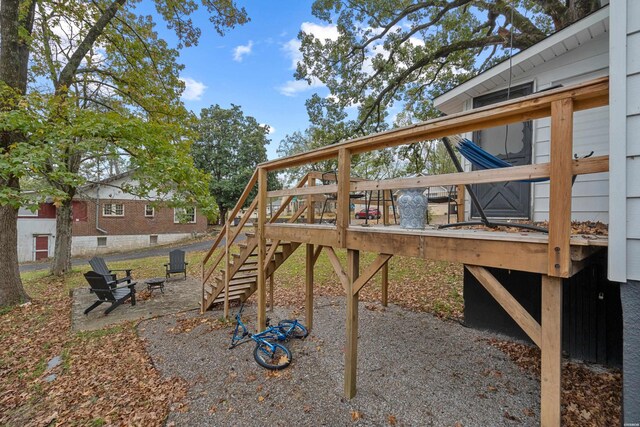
point(179, 295)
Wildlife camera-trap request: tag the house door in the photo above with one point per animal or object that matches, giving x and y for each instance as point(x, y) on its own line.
point(41, 245)
point(512, 144)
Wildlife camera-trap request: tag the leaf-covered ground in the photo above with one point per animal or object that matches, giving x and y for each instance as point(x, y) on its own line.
point(106, 377)
point(103, 377)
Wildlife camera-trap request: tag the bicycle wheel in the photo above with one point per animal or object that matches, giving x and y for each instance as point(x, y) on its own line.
point(277, 359)
point(293, 329)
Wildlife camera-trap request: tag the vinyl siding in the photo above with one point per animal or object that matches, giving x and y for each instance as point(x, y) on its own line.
point(587, 61)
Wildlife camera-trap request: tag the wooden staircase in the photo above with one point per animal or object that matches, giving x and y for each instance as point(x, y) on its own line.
point(242, 266)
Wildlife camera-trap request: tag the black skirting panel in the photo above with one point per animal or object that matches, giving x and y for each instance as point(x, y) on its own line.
point(592, 313)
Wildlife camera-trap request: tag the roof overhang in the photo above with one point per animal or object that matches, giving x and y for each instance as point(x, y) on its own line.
point(555, 45)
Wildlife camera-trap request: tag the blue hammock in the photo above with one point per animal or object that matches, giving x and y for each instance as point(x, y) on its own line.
point(484, 160)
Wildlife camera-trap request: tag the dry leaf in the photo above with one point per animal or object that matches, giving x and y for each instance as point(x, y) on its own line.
point(391, 420)
point(356, 415)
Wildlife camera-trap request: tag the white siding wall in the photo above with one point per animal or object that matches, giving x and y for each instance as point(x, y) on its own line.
point(624, 162)
point(27, 228)
point(633, 139)
point(88, 245)
point(591, 130)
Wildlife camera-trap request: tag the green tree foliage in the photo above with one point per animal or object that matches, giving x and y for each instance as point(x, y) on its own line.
point(229, 146)
point(101, 85)
point(408, 51)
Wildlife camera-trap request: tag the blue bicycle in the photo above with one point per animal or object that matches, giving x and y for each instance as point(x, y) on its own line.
point(268, 353)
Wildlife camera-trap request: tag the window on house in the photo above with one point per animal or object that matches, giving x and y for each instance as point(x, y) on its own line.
point(102, 241)
point(149, 211)
point(113, 209)
point(27, 212)
point(153, 239)
point(184, 215)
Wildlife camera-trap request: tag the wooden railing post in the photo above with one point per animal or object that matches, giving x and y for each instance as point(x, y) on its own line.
point(262, 219)
point(342, 202)
point(560, 174)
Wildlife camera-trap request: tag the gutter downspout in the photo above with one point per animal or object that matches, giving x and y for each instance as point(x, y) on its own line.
point(98, 210)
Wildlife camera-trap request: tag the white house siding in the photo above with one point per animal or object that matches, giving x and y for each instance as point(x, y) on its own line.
point(591, 128)
point(88, 245)
point(27, 228)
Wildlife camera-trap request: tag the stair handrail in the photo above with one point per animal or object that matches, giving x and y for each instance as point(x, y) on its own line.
point(206, 273)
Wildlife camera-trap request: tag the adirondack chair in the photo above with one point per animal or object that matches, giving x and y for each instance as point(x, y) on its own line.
point(107, 291)
point(176, 263)
point(99, 266)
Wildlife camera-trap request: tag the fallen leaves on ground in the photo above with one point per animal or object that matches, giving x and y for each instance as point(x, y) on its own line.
point(589, 397)
point(105, 377)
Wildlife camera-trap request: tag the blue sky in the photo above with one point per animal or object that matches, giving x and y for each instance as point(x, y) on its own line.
point(252, 66)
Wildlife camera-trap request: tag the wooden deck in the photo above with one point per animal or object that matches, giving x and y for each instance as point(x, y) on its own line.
point(555, 255)
point(527, 250)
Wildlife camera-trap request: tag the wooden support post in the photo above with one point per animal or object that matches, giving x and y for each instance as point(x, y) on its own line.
point(310, 261)
point(460, 203)
point(560, 188)
point(308, 288)
point(384, 278)
point(351, 348)
point(342, 202)
point(551, 348)
point(227, 268)
point(271, 291)
point(262, 248)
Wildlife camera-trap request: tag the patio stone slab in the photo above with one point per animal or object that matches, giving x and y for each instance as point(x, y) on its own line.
point(179, 295)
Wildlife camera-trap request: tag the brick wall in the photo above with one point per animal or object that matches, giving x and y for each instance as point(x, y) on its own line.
point(133, 221)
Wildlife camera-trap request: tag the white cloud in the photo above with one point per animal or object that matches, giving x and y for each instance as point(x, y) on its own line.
point(293, 87)
point(292, 50)
point(271, 128)
point(193, 89)
point(241, 51)
point(321, 32)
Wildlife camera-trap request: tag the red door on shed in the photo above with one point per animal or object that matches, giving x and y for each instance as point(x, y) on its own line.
point(41, 247)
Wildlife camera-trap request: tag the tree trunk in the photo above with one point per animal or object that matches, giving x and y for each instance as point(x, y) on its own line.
point(14, 57)
point(64, 226)
point(223, 214)
point(11, 290)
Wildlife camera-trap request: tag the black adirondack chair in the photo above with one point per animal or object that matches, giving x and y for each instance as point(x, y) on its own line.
point(99, 266)
point(176, 263)
point(107, 291)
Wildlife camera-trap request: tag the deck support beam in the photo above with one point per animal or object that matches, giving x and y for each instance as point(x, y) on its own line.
point(370, 271)
point(551, 348)
point(351, 347)
point(262, 248)
point(310, 260)
point(227, 267)
point(308, 286)
point(518, 313)
point(384, 279)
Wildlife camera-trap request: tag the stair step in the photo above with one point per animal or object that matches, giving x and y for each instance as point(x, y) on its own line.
point(240, 280)
point(231, 298)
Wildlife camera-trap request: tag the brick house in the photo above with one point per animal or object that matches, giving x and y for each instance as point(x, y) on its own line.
point(107, 219)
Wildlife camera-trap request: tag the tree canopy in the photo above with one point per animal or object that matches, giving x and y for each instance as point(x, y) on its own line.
point(87, 80)
point(408, 51)
point(229, 146)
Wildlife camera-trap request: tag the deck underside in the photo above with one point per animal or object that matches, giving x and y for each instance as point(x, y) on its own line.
point(524, 251)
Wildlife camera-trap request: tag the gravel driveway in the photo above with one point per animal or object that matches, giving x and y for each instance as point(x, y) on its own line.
point(413, 369)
